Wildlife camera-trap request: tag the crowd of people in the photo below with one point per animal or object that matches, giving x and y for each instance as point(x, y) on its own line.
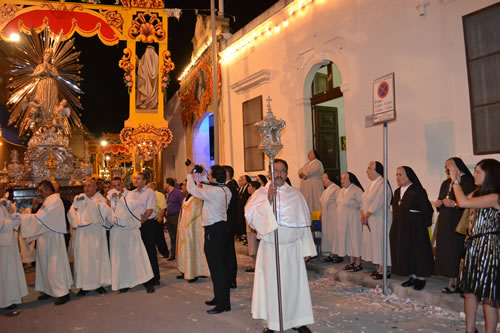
point(116, 234)
point(467, 229)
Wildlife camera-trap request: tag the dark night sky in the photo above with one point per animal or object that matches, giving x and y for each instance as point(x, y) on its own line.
point(106, 99)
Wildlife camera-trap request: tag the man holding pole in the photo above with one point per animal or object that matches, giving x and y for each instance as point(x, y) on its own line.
point(296, 245)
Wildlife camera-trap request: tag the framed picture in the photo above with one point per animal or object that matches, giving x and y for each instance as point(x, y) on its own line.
point(342, 143)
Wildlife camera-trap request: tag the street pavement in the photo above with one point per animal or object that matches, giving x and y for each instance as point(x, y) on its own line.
point(342, 302)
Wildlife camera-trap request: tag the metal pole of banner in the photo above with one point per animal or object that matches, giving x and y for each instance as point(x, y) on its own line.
point(277, 249)
point(215, 86)
point(386, 292)
point(270, 144)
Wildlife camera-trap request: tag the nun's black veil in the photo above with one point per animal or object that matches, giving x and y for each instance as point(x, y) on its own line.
point(412, 176)
point(354, 180)
point(461, 166)
point(379, 168)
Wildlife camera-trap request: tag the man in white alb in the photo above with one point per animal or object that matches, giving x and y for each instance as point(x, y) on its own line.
point(92, 268)
point(12, 280)
point(53, 275)
point(296, 245)
point(129, 261)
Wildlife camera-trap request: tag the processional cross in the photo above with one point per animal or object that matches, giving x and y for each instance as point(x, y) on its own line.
point(270, 144)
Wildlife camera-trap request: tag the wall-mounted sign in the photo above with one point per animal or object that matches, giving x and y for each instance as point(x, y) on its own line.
point(384, 103)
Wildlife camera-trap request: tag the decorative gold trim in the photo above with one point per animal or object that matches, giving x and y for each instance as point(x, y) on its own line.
point(156, 4)
point(147, 31)
point(146, 141)
point(168, 64)
point(113, 18)
point(8, 11)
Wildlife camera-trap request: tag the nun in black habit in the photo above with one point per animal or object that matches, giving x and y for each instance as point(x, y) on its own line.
point(411, 250)
point(450, 244)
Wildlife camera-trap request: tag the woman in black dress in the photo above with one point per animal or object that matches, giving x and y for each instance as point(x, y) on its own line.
point(480, 276)
point(450, 244)
point(411, 250)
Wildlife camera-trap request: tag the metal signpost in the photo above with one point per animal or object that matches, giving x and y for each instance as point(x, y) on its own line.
point(384, 109)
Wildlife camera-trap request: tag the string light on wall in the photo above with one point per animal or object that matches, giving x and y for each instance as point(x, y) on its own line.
point(251, 38)
point(195, 59)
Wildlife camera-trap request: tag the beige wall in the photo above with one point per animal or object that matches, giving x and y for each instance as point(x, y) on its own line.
point(366, 40)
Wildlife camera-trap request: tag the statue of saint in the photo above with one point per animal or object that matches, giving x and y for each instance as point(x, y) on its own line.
point(46, 86)
point(147, 80)
point(44, 79)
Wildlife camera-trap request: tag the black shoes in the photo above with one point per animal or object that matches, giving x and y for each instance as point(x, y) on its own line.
point(302, 329)
point(250, 270)
point(408, 283)
point(328, 259)
point(180, 276)
point(156, 282)
point(380, 276)
point(211, 302)
point(217, 310)
point(101, 290)
point(193, 280)
point(43, 297)
point(150, 289)
point(337, 260)
point(124, 290)
point(82, 293)
point(419, 284)
point(62, 300)
point(267, 330)
point(172, 258)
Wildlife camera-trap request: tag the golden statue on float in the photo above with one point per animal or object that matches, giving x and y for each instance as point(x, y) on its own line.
point(44, 103)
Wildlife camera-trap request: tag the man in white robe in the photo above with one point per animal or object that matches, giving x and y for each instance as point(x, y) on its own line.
point(12, 280)
point(372, 215)
point(92, 268)
point(311, 184)
point(53, 274)
point(296, 245)
point(130, 264)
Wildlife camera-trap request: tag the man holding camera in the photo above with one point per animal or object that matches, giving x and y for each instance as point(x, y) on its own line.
point(216, 197)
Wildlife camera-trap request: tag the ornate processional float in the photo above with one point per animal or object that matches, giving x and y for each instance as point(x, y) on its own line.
point(48, 121)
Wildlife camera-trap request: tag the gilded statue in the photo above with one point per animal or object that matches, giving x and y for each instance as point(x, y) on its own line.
point(45, 75)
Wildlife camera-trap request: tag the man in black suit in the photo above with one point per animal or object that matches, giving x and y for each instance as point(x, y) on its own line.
point(243, 195)
point(232, 219)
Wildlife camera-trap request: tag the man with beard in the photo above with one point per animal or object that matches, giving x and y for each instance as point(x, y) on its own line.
point(296, 245)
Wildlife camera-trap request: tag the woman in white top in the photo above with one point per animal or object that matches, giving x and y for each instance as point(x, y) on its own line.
point(349, 226)
point(311, 184)
point(329, 218)
point(372, 219)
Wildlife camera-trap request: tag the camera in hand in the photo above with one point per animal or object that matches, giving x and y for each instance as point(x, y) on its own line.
point(196, 169)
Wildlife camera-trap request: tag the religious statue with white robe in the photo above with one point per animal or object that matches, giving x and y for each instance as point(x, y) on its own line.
point(296, 244)
point(12, 280)
point(130, 264)
point(53, 274)
point(147, 80)
point(92, 267)
point(311, 184)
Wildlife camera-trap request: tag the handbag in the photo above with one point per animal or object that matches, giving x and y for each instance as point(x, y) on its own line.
point(463, 223)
